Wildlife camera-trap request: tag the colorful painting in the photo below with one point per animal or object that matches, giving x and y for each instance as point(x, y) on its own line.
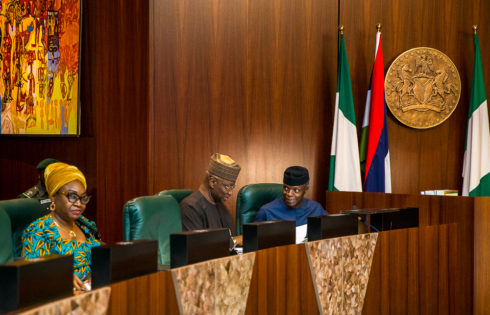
point(39, 67)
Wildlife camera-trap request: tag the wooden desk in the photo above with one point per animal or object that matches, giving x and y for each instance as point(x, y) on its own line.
point(419, 270)
point(470, 250)
point(413, 270)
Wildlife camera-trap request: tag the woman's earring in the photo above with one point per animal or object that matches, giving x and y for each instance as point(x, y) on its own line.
point(52, 206)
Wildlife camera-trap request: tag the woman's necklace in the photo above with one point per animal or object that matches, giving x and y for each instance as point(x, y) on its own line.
point(72, 233)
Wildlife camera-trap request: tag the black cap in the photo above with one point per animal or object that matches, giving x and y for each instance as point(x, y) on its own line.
point(296, 176)
point(44, 163)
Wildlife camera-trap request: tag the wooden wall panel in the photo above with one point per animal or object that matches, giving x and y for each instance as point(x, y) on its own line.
point(118, 82)
point(253, 79)
point(199, 68)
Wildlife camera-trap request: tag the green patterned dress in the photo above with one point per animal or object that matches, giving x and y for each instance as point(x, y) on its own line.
point(41, 238)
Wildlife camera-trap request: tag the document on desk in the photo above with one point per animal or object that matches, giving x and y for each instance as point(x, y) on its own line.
point(301, 233)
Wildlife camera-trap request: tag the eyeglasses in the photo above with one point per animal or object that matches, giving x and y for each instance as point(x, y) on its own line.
point(73, 197)
point(228, 188)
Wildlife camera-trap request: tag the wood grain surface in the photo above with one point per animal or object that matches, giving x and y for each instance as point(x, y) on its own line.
point(433, 210)
point(482, 256)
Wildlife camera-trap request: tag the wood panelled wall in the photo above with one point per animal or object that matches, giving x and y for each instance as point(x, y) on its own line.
point(256, 80)
point(119, 60)
point(252, 79)
point(167, 83)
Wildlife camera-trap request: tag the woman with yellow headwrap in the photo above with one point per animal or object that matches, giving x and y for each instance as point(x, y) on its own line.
point(64, 231)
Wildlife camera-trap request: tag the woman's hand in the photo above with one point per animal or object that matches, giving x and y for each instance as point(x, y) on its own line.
point(78, 285)
point(239, 240)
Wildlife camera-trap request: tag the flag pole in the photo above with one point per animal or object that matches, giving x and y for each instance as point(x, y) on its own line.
point(475, 29)
point(341, 29)
point(378, 27)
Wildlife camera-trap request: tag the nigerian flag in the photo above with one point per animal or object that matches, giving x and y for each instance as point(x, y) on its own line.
point(345, 173)
point(476, 165)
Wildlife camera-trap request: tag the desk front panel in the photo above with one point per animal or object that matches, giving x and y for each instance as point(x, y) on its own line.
point(413, 270)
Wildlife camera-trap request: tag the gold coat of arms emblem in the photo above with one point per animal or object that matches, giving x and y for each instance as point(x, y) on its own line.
point(422, 87)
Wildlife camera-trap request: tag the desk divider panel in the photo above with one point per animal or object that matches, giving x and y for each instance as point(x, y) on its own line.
point(340, 270)
point(92, 302)
point(190, 247)
point(218, 286)
point(332, 225)
point(124, 260)
point(262, 235)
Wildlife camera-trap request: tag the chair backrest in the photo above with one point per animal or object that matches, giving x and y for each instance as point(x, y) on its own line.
point(152, 218)
point(178, 194)
point(19, 213)
point(6, 248)
point(249, 200)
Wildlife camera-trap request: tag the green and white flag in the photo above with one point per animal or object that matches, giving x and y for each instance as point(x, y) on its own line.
point(476, 166)
point(345, 172)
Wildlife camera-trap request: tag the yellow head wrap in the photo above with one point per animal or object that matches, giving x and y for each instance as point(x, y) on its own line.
point(56, 175)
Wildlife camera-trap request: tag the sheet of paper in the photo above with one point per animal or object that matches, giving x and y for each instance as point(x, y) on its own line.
point(301, 233)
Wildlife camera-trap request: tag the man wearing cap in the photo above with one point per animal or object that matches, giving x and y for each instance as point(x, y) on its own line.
point(204, 208)
point(292, 206)
point(39, 190)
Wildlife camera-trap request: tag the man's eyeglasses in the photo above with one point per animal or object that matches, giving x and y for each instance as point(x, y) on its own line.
point(73, 197)
point(228, 188)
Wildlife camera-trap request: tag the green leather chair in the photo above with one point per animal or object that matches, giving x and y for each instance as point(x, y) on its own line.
point(6, 247)
point(152, 218)
point(178, 194)
point(15, 216)
point(249, 200)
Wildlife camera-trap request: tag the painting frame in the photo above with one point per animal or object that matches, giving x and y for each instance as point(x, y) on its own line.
point(40, 67)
